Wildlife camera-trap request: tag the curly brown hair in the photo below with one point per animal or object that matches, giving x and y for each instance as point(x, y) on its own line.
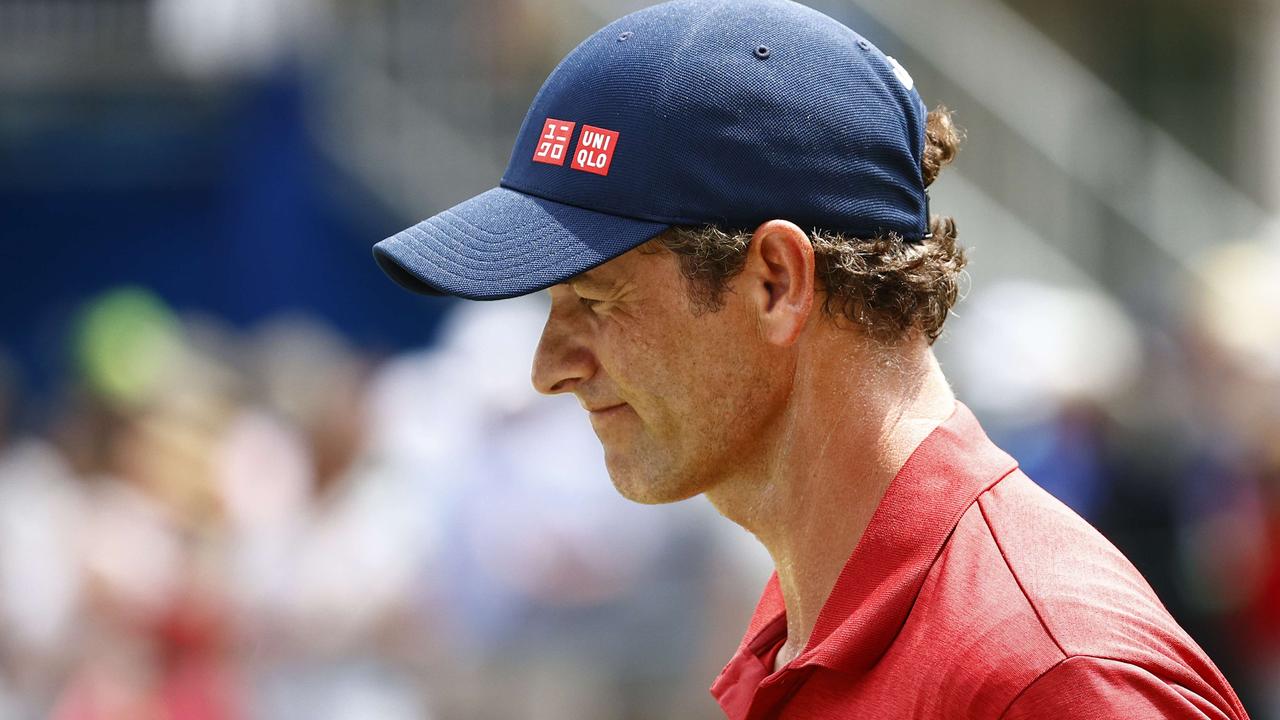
point(887, 286)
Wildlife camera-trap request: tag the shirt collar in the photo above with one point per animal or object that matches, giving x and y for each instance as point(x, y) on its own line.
point(880, 581)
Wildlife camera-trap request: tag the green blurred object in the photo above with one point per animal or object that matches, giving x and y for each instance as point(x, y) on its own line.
point(126, 342)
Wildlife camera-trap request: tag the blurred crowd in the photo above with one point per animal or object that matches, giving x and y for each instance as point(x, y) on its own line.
point(271, 524)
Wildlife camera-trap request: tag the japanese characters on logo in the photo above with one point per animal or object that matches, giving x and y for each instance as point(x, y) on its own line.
point(554, 142)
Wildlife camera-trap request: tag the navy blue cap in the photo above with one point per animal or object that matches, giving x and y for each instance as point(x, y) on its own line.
point(692, 112)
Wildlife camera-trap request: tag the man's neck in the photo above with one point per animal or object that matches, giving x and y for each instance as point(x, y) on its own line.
point(843, 437)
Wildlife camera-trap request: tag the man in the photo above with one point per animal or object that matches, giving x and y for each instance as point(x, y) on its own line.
point(727, 202)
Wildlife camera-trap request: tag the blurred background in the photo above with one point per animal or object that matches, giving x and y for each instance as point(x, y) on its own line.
point(242, 475)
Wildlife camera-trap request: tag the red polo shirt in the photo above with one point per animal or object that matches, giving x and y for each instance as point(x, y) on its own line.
point(973, 593)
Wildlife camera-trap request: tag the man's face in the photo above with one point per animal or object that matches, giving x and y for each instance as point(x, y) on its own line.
point(678, 399)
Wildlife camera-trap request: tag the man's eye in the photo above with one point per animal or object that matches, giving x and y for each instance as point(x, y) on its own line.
point(588, 302)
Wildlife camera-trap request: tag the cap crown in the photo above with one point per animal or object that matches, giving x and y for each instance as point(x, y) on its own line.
point(729, 113)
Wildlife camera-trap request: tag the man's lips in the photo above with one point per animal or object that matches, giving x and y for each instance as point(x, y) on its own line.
point(603, 409)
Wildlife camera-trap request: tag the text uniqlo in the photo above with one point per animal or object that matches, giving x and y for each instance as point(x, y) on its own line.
point(554, 142)
point(595, 150)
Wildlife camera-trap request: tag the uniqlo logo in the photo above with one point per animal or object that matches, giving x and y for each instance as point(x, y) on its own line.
point(595, 150)
point(553, 144)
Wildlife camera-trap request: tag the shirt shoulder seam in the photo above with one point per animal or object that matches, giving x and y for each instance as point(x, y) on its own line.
point(1030, 685)
point(995, 538)
point(1063, 661)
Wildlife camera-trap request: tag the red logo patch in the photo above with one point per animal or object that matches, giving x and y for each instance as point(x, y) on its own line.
point(595, 150)
point(554, 142)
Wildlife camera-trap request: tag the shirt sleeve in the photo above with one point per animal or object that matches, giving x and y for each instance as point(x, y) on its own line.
point(1089, 688)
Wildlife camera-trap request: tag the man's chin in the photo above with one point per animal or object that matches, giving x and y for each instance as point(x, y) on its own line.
point(650, 488)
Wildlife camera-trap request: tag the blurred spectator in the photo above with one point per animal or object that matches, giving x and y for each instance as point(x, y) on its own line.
point(1231, 507)
point(1042, 363)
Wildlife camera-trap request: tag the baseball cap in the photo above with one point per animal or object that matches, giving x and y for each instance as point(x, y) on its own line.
point(692, 112)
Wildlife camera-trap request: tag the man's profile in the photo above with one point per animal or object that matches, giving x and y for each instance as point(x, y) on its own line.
point(727, 202)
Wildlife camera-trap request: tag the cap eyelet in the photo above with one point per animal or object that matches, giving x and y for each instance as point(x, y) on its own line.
point(625, 36)
point(763, 52)
point(864, 44)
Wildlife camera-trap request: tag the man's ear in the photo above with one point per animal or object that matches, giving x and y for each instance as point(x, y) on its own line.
point(778, 280)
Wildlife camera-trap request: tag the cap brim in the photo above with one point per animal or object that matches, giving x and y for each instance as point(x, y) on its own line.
point(502, 244)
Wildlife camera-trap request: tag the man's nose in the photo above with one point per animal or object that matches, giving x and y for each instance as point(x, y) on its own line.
point(562, 360)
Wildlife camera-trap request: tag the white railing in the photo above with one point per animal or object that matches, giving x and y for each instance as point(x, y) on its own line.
point(1056, 105)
